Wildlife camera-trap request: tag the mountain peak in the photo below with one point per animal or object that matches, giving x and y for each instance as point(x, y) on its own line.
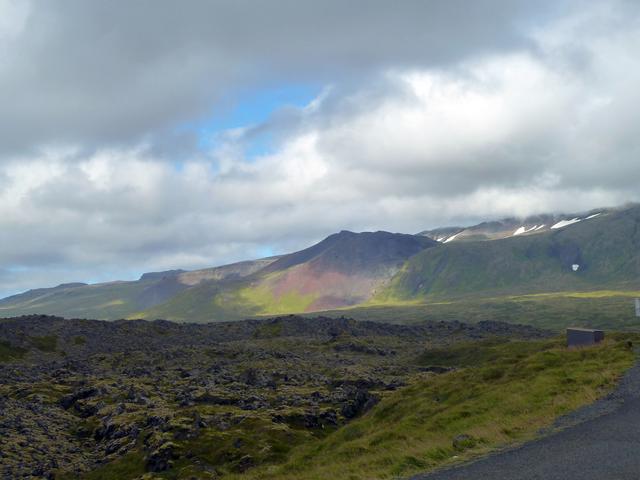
point(161, 275)
point(348, 251)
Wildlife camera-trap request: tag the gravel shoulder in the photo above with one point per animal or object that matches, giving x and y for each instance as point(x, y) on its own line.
point(599, 441)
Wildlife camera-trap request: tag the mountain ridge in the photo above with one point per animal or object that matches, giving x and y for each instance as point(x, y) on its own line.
point(592, 250)
point(513, 226)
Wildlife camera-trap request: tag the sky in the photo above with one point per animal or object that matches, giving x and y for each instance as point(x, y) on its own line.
point(148, 135)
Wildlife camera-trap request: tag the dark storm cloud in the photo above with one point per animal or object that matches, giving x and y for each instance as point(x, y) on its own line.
point(110, 72)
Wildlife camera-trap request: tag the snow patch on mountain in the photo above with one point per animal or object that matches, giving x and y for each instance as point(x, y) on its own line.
point(522, 230)
point(511, 226)
point(565, 223)
point(451, 238)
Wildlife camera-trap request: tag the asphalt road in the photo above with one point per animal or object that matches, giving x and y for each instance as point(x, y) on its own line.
point(598, 442)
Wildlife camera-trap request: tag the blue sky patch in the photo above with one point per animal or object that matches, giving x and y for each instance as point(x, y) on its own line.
point(253, 109)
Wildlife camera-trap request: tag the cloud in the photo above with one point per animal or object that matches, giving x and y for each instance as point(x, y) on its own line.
point(87, 74)
point(416, 126)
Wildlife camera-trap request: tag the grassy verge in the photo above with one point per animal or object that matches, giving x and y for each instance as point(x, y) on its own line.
point(502, 393)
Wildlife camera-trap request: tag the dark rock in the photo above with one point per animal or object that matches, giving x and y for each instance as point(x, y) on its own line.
point(359, 403)
point(67, 401)
point(84, 409)
point(244, 464)
point(161, 459)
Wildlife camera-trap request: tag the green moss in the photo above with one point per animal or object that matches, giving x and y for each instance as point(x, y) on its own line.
point(128, 467)
point(79, 340)
point(51, 393)
point(260, 439)
point(9, 352)
point(46, 343)
point(268, 330)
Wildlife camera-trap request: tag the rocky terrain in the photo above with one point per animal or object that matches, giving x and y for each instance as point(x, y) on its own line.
point(133, 399)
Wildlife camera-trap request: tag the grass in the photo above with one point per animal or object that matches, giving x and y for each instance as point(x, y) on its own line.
point(502, 393)
point(586, 294)
point(609, 309)
point(268, 302)
point(488, 352)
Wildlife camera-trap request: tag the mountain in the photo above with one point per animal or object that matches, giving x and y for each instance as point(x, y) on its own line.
point(596, 250)
point(582, 253)
point(345, 269)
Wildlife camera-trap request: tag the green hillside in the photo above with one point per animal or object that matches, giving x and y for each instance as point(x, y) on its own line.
point(208, 301)
point(114, 300)
point(103, 301)
point(601, 253)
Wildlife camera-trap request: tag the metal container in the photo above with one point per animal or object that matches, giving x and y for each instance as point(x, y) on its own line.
point(577, 337)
